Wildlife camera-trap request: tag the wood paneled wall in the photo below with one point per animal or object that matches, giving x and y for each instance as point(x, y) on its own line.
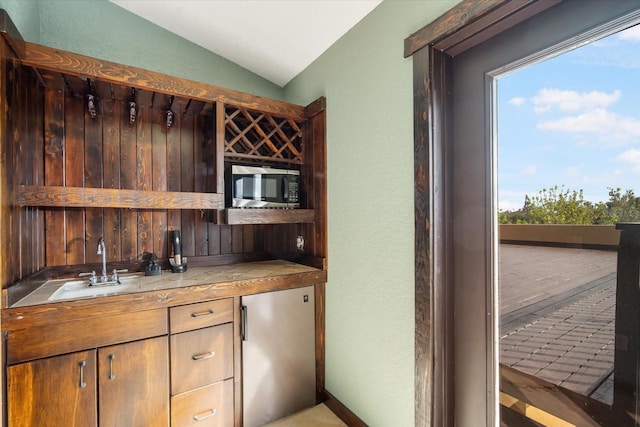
point(56, 142)
point(23, 228)
point(51, 139)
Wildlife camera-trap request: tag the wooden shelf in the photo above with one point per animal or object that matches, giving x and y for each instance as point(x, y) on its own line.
point(73, 64)
point(78, 197)
point(261, 136)
point(269, 216)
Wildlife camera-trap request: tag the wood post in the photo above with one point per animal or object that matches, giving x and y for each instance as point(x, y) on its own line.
point(627, 348)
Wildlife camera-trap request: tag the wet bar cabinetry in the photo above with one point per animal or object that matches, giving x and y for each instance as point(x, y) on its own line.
point(80, 163)
point(90, 149)
point(121, 384)
point(156, 357)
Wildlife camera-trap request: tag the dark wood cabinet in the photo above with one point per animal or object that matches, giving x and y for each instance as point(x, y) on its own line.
point(202, 364)
point(89, 371)
point(126, 384)
point(133, 384)
point(144, 358)
point(53, 392)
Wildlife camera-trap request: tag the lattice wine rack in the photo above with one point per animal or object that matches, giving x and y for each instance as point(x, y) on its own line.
point(261, 137)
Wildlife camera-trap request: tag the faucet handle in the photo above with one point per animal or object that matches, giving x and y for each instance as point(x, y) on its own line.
point(93, 279)
point(114, 277)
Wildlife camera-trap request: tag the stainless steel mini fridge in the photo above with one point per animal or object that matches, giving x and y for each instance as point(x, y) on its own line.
point(278, 354)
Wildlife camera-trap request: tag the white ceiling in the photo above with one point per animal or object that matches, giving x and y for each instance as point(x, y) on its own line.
point(275, 39)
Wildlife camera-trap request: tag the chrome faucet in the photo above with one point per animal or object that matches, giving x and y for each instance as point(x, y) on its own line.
point(102, 250)
point(103, 280)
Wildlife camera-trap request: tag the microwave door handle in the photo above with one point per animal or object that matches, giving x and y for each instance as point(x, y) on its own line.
point(285, 192)
point(258, 182)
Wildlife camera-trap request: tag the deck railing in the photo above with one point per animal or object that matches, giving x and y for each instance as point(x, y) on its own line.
point(588, 236)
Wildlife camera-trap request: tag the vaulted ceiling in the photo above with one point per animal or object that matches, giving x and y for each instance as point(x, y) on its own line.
point(275, 39)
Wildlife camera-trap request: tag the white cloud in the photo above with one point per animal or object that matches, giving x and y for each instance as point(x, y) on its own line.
point(632, 158)
point(546, 148)
point(529, 170)
point(511, 200)
point(571, 101)
point(612, 53)
point(630, 34)
point(614, 127)
point(572, 171)
point(517, 101)
point(509, 205)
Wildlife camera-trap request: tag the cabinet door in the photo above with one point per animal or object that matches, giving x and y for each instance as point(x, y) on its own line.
point(133, 383)
point(57, 391)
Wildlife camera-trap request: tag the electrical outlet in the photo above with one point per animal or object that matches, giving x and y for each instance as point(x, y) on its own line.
point(300, 243)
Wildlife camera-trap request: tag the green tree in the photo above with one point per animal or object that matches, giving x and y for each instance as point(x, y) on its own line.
point(563, 206)
point(558, 206)
point(621, 207)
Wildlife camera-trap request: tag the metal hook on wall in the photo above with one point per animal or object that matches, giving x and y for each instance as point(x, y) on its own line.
point(170, 115)
point(132, 106)
point(91, 100)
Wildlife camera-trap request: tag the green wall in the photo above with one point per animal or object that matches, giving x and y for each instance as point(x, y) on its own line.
point(103, 30)
point(25, 14)
point(368, 85)
point(370, 293)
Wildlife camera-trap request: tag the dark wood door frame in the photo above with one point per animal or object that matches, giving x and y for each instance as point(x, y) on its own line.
point(432, 48)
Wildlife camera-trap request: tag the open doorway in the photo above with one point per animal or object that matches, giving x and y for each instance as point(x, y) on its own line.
point(568, 133)
point(455, 144)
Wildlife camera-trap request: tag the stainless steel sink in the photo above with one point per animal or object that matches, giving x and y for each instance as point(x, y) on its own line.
point(81, 289)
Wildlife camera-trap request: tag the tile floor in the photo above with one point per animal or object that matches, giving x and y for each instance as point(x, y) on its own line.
point(318, 416)
point(563, 333)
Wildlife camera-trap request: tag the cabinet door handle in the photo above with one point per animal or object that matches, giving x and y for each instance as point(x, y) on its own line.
point(82, 364)
point(203, 356)
point(111, 374)
point(244, 332)
point(204, 414)
point(203, 313)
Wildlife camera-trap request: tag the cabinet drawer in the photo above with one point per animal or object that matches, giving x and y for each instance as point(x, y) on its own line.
point(201, 357)
point(209, 406)
point(65, 337)
point(195, 316)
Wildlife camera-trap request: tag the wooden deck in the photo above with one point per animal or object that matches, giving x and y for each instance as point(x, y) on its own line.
point(558, 315)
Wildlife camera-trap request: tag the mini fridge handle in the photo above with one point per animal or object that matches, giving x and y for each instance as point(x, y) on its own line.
point(243, 323)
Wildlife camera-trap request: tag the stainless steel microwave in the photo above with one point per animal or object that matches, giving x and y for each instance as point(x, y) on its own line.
point(261, 187)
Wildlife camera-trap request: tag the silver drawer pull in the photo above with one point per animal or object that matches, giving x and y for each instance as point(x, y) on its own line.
point(111, 374)
point(203, 356)
point(82, 364)
point(203, 313)
point(204, 414)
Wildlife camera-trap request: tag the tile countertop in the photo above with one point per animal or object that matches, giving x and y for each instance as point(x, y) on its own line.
point(194, 276)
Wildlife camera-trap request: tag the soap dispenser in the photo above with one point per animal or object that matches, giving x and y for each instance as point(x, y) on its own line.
point(178, 263)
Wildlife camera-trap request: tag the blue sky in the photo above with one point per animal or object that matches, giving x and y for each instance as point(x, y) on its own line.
point(573, 120)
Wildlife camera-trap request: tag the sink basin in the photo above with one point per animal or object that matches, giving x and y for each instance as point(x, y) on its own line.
point(81, 289)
